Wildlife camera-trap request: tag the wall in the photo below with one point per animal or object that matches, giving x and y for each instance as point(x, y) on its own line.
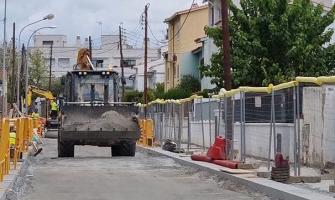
point(257, 137)
point(318, 114)
point(189, 63)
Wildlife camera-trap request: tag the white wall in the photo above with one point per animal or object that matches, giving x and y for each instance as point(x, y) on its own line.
point(319, 111)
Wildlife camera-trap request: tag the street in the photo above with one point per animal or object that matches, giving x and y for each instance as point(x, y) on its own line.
point(93, 174)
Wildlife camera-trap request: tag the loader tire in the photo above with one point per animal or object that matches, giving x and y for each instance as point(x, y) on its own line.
point(65, 148)
point(124, 148)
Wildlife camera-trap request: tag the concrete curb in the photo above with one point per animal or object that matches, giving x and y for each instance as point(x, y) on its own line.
point(11, 185)
point(269, 187)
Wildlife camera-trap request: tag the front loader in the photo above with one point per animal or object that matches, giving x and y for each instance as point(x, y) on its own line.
point(91, 113)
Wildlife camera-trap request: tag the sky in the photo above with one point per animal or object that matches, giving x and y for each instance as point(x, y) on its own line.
point(79, 17)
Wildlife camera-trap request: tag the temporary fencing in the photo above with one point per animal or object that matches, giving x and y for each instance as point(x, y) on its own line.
point(301, 113)
point(24, 134)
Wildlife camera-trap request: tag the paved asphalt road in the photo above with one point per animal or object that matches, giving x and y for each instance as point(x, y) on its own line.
point(94, 174)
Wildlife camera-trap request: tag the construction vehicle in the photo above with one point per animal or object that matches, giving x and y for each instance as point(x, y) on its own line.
point(52, 122)
point(91, 113)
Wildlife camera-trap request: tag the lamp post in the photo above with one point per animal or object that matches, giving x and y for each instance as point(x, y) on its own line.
point(48, 17)
point(4, 78)
point(27, 68)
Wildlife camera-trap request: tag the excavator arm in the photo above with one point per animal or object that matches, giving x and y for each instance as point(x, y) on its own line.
point(32, 89)
point(83, 60)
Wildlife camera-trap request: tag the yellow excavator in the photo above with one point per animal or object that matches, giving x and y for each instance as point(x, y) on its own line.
point(52, 121)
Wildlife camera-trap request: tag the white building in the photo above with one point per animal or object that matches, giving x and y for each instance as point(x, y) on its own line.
point(156, 72)
point(106, 55)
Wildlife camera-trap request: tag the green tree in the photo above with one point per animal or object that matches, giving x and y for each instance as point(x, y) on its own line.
point(189, 83)
point(56, 87)
point(38, 72)
point(274, 41)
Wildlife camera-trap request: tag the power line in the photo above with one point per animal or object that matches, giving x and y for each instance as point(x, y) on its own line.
point(189, 11)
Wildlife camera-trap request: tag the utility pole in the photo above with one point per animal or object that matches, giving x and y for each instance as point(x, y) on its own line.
point(90, 46)
point(121, 61)
point(226, 44)
point(4, 74)
point(50, 67)
point(227, 75)
point(145, 100)
point(13, 69)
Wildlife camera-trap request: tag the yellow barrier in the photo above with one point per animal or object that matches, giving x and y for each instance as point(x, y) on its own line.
point(24, 128)
point(147, 133)
point(316, 80)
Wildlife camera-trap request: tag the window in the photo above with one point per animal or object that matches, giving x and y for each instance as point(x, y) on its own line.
point(212, 16)
point(98, 63)
point(48, 42)
point(64, 62)
point(174, 71)
point(129, 63)
point(178, 71)
point(168, 74)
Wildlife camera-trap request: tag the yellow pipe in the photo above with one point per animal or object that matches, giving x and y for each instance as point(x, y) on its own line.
point(285, 85)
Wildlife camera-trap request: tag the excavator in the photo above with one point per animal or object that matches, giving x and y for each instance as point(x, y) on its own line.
point(52, 121)
point(91, 113)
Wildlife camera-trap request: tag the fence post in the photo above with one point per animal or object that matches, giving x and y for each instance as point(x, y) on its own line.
point(209, 119)
point(244, 140)
point(233, 128)
point(189, 127)
point(271, 128)
point(161, 123)
point(274, 125)
point(180, 126)
point(165, 120)
point(225, 125)
point(295, 132)
point(298, 106)
point(219, 121)
point(202, 125)
point(241, 118)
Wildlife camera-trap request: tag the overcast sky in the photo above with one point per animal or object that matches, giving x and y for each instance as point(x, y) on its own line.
point(80, 17)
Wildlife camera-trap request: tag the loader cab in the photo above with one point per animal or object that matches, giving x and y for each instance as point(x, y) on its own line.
point(91, 86)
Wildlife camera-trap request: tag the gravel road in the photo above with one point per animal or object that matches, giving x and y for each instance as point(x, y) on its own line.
point(94, 174)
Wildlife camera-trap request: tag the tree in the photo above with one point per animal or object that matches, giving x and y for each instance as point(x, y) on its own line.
point(38, 72)
point(56, 86)
point(189, 83)
point(273, 41)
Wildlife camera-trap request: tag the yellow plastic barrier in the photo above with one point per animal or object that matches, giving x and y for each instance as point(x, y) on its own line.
point(4, 146)
point(149, 125)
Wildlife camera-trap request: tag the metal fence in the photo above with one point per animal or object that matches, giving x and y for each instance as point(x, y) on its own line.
point(301, 112)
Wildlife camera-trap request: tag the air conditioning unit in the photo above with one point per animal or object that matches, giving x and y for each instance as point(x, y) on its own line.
point(171, 57)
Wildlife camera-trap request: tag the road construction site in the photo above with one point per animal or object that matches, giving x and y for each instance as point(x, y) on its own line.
point(94, 174)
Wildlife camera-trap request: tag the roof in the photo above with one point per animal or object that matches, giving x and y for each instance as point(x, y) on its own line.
point(197, 50)
point(184, 12)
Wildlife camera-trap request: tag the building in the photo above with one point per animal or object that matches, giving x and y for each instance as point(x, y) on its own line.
point(214, 19)
point(184, 55)
point(156, 72)
point(105, 55)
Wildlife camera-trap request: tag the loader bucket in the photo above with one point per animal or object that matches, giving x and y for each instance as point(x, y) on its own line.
point(100, 122)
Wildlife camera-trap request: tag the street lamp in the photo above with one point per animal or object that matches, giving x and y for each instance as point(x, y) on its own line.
point(27, 69)
point(48, 17)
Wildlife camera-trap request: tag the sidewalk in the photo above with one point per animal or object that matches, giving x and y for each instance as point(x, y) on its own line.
point(269, 187)
point(10, 179)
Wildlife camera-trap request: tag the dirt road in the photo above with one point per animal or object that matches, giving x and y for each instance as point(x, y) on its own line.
point(93, 174)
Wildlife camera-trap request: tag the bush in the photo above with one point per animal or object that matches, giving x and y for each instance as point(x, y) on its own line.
point(189, 83)
point(176, 93)
point(136, 96)
point(133, 96)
